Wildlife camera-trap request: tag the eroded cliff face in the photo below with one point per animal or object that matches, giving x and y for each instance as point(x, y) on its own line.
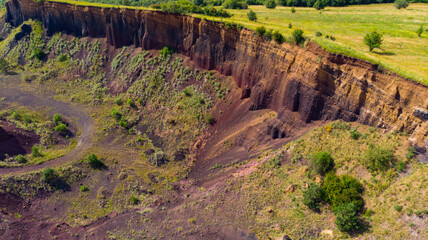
point(316, 84)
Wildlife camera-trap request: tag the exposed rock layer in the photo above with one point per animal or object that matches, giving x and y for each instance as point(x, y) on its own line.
point(316, 84)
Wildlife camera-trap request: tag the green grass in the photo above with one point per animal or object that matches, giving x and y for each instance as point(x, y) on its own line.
point(403, 51)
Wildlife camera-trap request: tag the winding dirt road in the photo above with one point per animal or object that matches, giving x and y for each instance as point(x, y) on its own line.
point(12, 93)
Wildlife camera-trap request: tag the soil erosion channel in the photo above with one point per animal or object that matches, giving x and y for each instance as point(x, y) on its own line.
point(11, 93)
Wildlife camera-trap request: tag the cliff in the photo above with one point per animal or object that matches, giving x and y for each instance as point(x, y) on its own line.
point(316, 84)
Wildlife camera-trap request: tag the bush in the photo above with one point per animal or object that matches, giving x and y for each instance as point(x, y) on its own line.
point(38, 53)
point(318, 34)
point(61, 128)
point(420, 30)
point(115, 114)
point(322, 162)
point(398, 208)
point(15, 115)
point(20, 159)
point(49, 175)
point(118, 101)
point(210, 119)
point(399, 4)
point(62, 58)
point(278, 37)
point(313, 196)
point(373, 40)
point(35, 151)
point(319, 4)
point(134, 200)
point(84, 188)
point(252, 16)
point(123, 122)
point(293, 10)
point(130, 102)
point(260, 31)
point(94, 162)
point(57, 118)
point(270, 4)
point(355, 134)
point(298, 37)
point(346, 217)
point(166, 51)
point(343, 189)
point(4, 66)
point(378, 159)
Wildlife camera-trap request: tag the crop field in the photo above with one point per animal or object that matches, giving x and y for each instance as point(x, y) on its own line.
point(402, 50)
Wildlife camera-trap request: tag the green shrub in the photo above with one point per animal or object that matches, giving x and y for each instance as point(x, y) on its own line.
point(84, 188)
point(398, 208)
point(20, 159)
point(252, 16)
point(123, 122)
point(293, 10)
point(57, 119)
point(313, 196)
point(260, 31)
point(420, 30)
point(378, 159)
point(373, 40)
point(94, 162)
point(38, 54)
point(341, 190)
point(298, 37)
point(49, 175)
point(346, 217)
point(166, 51)
point(355, 134)
point(270, 4)
point(61, 128)
point(15, 115)
point(318, 34)
point(118, 101)
point(210, 119)
point(268, 35)
point(62, 58)
point(319, 4)
point(155, 6)
point(322, 162)
point(278, 37)
point(399, 4)
point(4, 66)
point(115, 113)
point(130, 102)
point(35, 151)
point(134, 200)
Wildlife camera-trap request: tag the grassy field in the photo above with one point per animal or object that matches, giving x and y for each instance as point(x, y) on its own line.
point(403, 51)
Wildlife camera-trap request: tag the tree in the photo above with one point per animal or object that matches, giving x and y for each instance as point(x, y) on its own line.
point(298, 36)
point(346, 217)
point(278, 37)
point(322, 162)
point(252, 16)
point(319, 4)
point(312, 196)
point(373, 40)
point(420, 30)
point(270, 4)
point(399, 4)
point(4, 66)
point(61, 128)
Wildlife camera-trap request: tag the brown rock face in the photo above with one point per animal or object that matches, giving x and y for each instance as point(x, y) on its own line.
point(316, 84)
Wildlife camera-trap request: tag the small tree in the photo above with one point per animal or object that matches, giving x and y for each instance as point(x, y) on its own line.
point(61, 128)
point(20, 159)
point(252, 16)
point(319, 4)
point(57, 118)
point(293, 10)
point(346, 217)
point(278, 37)
point(399, 4)
point(312, 196)
point(322, 162)
point(420, 30)
point(4, 66)
point(270, 4)
point(260, 31)
point(373, 40)
point(49, 175)
point(298, 36)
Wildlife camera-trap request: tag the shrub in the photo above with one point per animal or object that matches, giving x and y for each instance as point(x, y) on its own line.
point(355, 134)
point(373, 40)
point(319, 4)
point(4, 66)
point(312, 196)
point(378, 159)
point(420, 30)
point(123, 122)
point(166, 51)
point(260, 31)
point(38, 53)
point(62, 58)
point(57, 118)
point(210, 119)
point(293, 10)
point(118, 101)
point(268, 35)
point(20, 159)
point(130, 102)
point(322, 162)
point(61, 128)
point(252, 16)
point(94, 162)
point(134, 200)
point(15, 115)
point(35, 151)
point(270, 4)
point(298, 37)
point(278, 37)
point(318, 34)
point(49, 175)
point(346, 217)
point(398, 208)
point(84, 188)
point(115, 113)
point(399, 4)
point(341, 190)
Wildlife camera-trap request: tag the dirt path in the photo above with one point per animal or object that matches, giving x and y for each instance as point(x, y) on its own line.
point(12, 93)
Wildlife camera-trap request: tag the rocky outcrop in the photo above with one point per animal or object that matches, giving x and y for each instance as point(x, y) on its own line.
point(316, 84)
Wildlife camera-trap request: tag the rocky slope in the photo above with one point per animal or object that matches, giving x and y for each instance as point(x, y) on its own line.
point(316, 84)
